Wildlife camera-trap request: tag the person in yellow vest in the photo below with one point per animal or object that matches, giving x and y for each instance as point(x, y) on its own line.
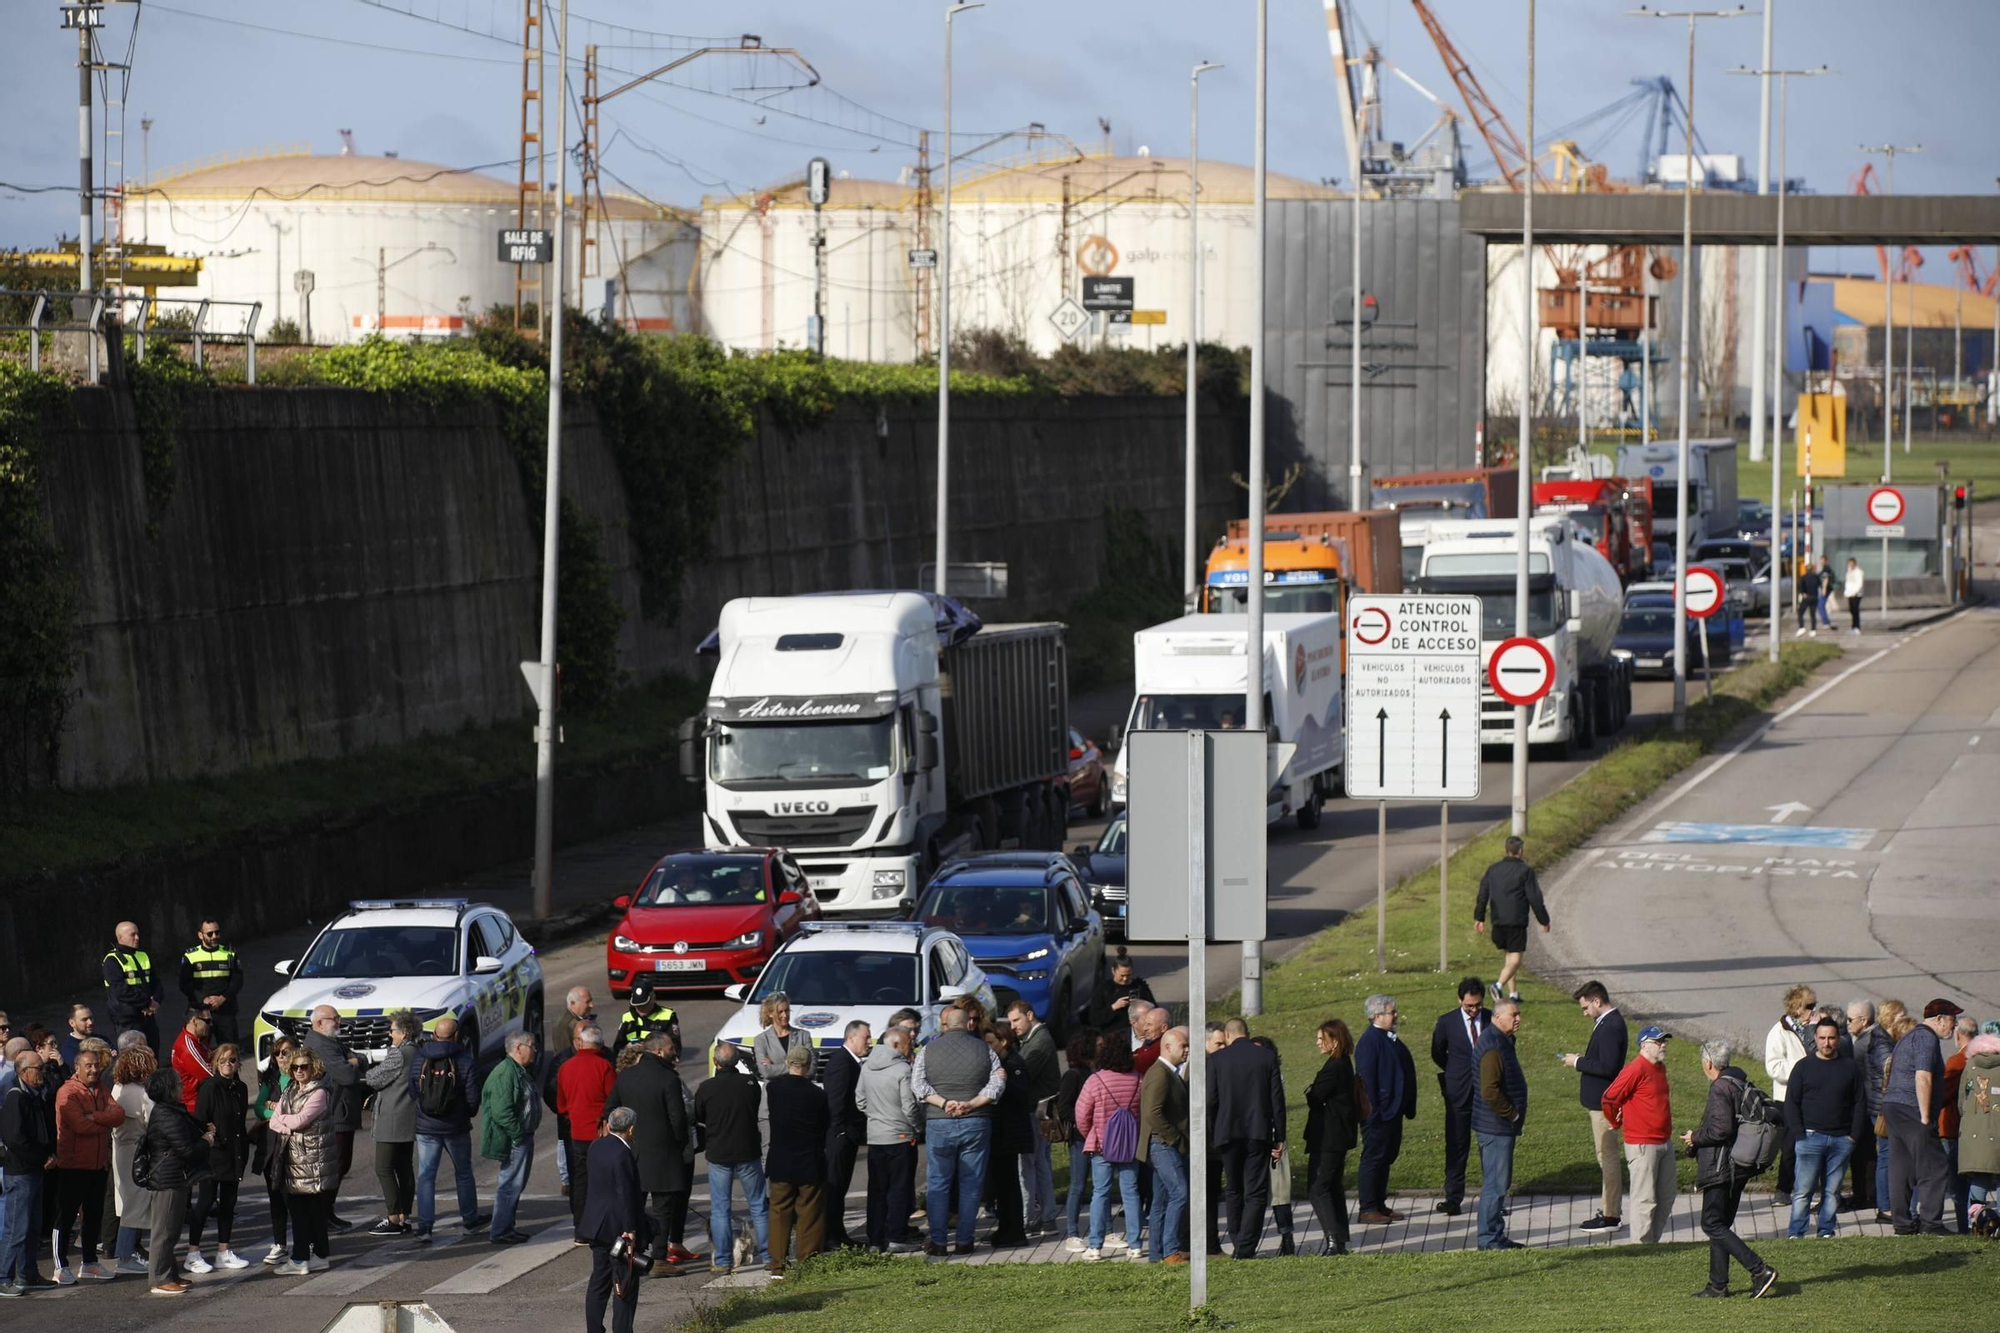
point(132, 988)
point(645, 1017)
point(210, 978)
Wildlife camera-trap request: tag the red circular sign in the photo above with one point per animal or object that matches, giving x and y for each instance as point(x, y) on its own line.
point(1372, 625)
point(1885, 505)
point(1521, 671)
point(1707, 590)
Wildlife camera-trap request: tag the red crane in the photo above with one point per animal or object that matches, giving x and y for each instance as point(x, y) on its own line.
point(1968, 271)
point(1501, 141)
point(1912, 259)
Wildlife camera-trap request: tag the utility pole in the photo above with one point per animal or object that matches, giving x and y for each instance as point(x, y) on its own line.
point(1251, 984)
point(1761, 263)
point(146, 167)
point(1525, 453)
point(940, 576)
point(1889, 152)
point(1191, 582)
point(818, 176)
point(278, 231)
point(546, 734)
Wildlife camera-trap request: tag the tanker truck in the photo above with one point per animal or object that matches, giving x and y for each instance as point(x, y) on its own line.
point(1574, 602)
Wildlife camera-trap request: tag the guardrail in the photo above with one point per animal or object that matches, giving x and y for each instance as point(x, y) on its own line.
point(196, 330)
point(143, 323)
point(44, 303)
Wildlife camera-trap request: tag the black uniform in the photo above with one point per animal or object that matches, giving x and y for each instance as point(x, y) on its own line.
point(209, 971)
point(130, 985)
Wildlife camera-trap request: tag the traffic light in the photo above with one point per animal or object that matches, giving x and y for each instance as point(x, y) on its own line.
point(1958, 497)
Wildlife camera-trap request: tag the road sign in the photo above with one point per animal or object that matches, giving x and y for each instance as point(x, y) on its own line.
point(1100, 293)
point(1413, 698)
point(1707, 590)
point(1069, 319)
point(1885, 506)
point(819, 177)
point(1884, 530)
point(302, 282)
point(923, 258)
point(1521, 671)
point(526, 245)
point(1235, 765)
point(1146, 317)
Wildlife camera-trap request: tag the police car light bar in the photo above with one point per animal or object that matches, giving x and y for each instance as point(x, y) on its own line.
point(406, 904)
point(900, 927)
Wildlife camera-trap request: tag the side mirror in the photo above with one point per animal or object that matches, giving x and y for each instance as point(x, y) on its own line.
point(622, 900)
point(1081, 849)
point(734, 992)
point(485, 965)
point(284, 969)
point(791, 896)
point(1117, 734)
point(926, 724)
point(927, 751)
point(1575, 625)
point(691, 744)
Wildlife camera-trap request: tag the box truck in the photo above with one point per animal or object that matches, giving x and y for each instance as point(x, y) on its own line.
point(1711, 485)
point(1423, 498)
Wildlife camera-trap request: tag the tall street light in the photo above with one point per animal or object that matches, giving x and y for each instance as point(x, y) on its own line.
point(944, 324)
point(1252, 977)
point(1191, 584)
point(1524, 454)
point(1761, 284)
point(1778, 568)
point(1889, 152)
point(1693, 16)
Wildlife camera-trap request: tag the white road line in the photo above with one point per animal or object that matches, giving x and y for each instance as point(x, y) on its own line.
point(517, 1261)
point(1972, 740)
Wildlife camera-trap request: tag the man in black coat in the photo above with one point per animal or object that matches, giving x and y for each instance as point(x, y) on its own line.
point(652, 1090)
point(1453, 1042)
point(615, 1210)
point(343, 1085)
point(795, 1166)
point(1601, 1061)
point(847, 1132)
point(1246, 1126)
point(1510, 888)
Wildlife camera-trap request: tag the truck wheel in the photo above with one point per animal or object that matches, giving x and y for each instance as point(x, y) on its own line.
point(1309, 812)
point(1586, 717)
point(1058, 823)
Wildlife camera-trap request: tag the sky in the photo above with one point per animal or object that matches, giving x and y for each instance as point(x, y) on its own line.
point(440, 82)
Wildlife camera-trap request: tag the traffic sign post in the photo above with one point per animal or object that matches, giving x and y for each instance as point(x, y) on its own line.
point(1412, 705)
point(1707, 591)
point(1107, 293)
point(1521, 671)
point(1069, 319)
point(1885, 517)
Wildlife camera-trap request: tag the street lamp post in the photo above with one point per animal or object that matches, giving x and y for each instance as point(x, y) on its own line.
point(1889, 153)
point(1251, 981)
point(1761, 286)
point(1693, 16)
point(1524, 454)
point(1191, 584)
point(1778, 567)
point(944, 324)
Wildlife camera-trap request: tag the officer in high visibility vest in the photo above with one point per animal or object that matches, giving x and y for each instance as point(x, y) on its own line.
point(132, 989)
point(210, 978)
point(645, 1018)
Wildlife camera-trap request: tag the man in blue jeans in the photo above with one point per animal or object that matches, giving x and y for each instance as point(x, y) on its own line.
point(957, 1079)
point(1825, 1111)
point(1163, 1144)
point(27, 1150)
point(1497, 1116)
point(726, 1109)
point(443, 1085)
point(510, 1111)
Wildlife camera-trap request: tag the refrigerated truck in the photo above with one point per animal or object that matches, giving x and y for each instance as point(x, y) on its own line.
point(1711, 486)
point(874, 743)
point(1191, 674)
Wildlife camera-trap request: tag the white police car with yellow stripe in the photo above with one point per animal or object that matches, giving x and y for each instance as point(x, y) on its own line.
point(432, 956)
point(833, 972)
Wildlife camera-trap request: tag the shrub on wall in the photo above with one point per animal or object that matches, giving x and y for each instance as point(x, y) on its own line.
point(39, 600)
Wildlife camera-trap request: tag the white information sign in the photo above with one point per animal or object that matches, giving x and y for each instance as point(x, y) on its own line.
point(1413, 676)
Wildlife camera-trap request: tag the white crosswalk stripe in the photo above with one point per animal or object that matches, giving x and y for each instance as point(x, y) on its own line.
point(490, 1274)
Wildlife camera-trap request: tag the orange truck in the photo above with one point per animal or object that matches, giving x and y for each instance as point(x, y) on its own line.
point(1420, 498)
point(1616, 514)
point(1305, 557)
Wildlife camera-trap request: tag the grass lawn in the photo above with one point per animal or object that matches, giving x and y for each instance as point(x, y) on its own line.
point(56, 829)
point(1905, 1283)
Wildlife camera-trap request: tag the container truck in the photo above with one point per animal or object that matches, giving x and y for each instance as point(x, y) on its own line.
point(1574, 602)
point(1606, 510)
point(1191, 674)
point(1711, 485)
point(875, 738)
point(1423, 498)
point(1366, 547)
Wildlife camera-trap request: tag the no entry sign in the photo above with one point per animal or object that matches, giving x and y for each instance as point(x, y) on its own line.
point(1706, 591)
point(1521, 671)
point(1885, 505)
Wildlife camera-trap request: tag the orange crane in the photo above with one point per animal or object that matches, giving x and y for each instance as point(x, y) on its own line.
point(1968, 270)
point(1911, 259)
point(1501, 141)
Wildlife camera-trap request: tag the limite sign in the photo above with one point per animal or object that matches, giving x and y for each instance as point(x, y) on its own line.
point(1413, 698)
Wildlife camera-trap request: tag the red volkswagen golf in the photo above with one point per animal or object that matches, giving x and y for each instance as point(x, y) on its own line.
point(706, 920)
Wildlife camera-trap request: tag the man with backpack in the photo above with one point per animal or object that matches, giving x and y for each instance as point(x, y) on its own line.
point(1739, 1136)
point(443, 1085)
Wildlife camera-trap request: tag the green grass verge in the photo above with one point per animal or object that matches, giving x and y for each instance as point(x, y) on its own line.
point(1860, 1283)
point(60, 829)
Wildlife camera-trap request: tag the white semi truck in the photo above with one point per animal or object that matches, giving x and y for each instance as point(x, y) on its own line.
point(1574, 603)
point(1711, 486)
point(1191, 674)
point(875, 738)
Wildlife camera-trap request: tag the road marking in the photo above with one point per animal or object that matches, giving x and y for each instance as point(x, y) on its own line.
point(1763, 835)
point(1781, 813)
point(1973, 741)
point(516, 1261)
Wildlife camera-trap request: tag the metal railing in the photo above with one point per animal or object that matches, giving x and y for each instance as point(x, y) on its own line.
point(45, 303)
point(196, 330)
point(45, 306)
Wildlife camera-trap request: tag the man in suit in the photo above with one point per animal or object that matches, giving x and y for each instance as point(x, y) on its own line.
point(1384, 1065)
point(1602, 1060)
point(1246, 1126)
point(652, 1090)
point(847, 1131)
point(1453, 1041)
point(615, 1209)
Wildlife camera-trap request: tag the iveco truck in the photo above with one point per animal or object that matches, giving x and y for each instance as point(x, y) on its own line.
point(1574, 602)
point(1711, 486)
point(875, 735)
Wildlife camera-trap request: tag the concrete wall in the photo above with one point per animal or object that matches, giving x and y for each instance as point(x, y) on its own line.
point(336, 572)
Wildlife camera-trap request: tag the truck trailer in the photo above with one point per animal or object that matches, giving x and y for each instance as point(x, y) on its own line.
point(1449, 495)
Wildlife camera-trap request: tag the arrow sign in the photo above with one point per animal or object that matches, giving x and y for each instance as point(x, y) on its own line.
point(1781, 813)
point(1382, 748)
point(1706, 591)
point(1522, 671)
point(1444, 748)
point(1413, 664)
point(1885, 505)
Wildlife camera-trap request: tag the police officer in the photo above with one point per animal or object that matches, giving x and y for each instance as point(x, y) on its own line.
point(132, 989)
point(645, 1017)
point(210, 978)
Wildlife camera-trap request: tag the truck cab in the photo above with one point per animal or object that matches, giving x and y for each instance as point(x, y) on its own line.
point(1600, 507)
point(1301, 575)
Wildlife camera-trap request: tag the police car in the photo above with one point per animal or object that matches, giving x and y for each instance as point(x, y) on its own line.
point(433, 956)
point(834, 972)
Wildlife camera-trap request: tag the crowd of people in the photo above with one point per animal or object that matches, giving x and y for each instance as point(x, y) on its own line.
point(124, 1158)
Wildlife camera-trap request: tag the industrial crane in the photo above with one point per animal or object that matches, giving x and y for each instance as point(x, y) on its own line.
point(1912, 259)
point(1374, 162)
point(1501, 141)
point(1968, 270)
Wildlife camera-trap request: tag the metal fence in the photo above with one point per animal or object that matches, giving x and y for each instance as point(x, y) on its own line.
point(207, 321)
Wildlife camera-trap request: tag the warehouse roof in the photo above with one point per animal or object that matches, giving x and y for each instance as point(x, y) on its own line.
point(1932, 305)
point(356, 178)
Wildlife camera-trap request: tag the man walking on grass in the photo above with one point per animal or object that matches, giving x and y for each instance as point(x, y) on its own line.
point(1720, 1179)
point(1510, 888)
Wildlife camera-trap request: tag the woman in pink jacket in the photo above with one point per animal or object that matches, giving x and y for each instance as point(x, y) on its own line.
point(1111, 1150)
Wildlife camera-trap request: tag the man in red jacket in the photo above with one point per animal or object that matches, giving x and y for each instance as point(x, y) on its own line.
point(1637, 1103)
point(582, 1087)
point(194, 1059)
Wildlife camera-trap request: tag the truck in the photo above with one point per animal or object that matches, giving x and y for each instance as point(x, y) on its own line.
point(875, 735)
point(1191, 674)
point(1422, 498)
point(1612, 513)
point(1363, 545)
point(1574, 604)
point(1711, 485)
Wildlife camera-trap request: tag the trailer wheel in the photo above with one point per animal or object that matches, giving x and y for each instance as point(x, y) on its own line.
point(1585, 727)
point(1309, 812)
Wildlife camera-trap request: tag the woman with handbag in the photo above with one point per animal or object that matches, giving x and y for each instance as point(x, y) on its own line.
point(171, 1159)
point(220, 1105)
point(1334, 1106)
point(310, 1162)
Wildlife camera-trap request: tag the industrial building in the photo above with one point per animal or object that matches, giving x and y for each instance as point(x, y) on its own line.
point(404, 247)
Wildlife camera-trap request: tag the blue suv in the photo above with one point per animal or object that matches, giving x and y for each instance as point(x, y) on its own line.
point(1028, 922)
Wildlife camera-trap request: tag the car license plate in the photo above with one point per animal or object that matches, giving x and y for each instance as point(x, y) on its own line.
point(678, 965)
point(1119, 910)
point(1652, 661)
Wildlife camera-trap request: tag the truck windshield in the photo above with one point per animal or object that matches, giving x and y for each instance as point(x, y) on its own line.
point(1497, 607)
point(1188, 712)
point(1664, 501)
point(819, 754)
point(1590, 523)
point(1304, 598)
